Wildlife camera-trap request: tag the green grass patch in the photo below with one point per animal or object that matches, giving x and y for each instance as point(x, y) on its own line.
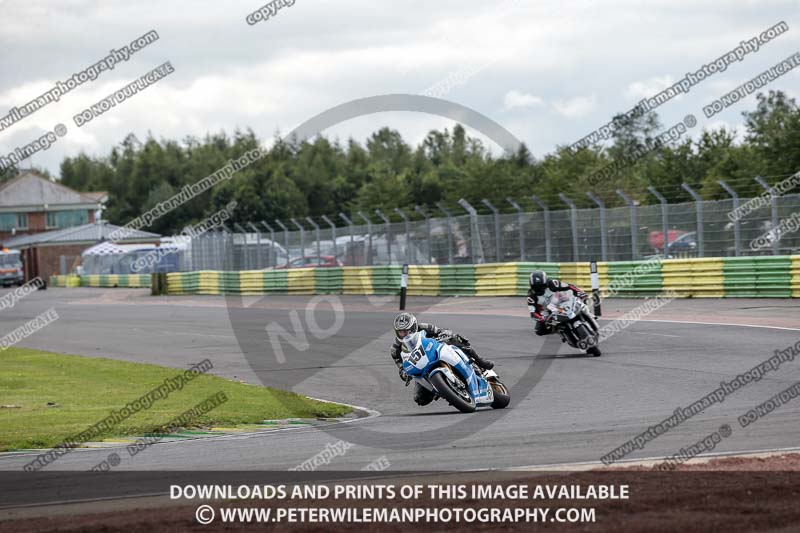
point(83, 391)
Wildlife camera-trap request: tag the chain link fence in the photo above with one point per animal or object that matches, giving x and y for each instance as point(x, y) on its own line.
point(633, 232)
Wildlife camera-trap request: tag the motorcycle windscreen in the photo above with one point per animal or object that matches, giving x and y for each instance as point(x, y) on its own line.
point(415, 358)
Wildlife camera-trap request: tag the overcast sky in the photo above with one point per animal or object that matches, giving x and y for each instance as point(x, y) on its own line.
point(548, 71)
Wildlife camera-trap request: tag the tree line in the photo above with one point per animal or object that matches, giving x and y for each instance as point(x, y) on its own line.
point(325, 176)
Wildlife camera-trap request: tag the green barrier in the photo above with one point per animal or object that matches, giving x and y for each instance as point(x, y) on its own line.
point(104, 280)
point(329, 280)
point(754, 277)
point(457, 280)
point(386, 279)
point(633, 279)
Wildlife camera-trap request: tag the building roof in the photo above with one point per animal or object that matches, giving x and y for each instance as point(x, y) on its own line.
point(30, 190)
point(98, 196)
point(87, 233)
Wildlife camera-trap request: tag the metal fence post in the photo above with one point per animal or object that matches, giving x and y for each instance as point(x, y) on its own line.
point(302, 236)
point(737, 234)
point(474, 232)
point(698, 202)
point(664, 219)
point(273, 257)
point(498, 243)
point(603, 238)
point(520, 221)
point(245, 250)
point(333, 234)
point(258, 244)
point(228, 260)
point(285, 239)
point(449, 232)
point(349, 223)
point(369, 237)
point(546, 211)
point(388, 228)
point(573, 222)
point(427, 217)
point(316, 234)
point(773, 200)
point(408, 233)
point(634, 224)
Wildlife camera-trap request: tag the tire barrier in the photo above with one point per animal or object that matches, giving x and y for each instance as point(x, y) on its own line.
point(728, 277)
point(110, 280)
point(745, 277)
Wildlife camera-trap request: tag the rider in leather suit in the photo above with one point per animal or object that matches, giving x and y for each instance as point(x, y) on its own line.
point(405, 324)
point(541, 287)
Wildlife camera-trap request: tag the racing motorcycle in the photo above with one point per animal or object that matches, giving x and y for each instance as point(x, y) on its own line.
point(571, 319)
point(448, 372)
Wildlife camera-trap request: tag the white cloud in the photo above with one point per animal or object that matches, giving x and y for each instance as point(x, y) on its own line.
point(315, 55)
point(649, 87)
point(717, 125)
point(517, 99)
point(577, 107)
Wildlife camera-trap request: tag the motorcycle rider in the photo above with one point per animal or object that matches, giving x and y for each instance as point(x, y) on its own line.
point(541, 288)
point(405, 324)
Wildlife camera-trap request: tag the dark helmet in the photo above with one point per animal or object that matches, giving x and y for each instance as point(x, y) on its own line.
point(538, 281)
point(405, 324)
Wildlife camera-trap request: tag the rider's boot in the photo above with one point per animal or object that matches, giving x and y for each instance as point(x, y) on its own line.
point(485, 364)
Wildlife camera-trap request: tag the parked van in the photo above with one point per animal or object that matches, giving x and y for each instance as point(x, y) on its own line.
point(11, 268)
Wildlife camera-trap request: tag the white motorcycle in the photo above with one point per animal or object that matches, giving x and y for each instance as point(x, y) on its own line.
point(573, 321)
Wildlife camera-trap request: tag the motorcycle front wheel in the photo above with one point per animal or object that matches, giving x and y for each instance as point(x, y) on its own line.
point(455, 394)
point(501, 395)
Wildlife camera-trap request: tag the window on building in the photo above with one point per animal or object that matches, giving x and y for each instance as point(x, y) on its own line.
point(8, 221)
point(22, 220)
point(67, 219)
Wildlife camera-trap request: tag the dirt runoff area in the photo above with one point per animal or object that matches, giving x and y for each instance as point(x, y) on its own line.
point(733, 494)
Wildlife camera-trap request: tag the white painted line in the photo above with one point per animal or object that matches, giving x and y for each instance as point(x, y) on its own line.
point(656, 334)
point(709, 323)
point(648, 461)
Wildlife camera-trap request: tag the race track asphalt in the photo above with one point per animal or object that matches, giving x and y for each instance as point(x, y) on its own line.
point(565, 407)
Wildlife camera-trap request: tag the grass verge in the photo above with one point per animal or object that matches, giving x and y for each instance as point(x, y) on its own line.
point(47, 397)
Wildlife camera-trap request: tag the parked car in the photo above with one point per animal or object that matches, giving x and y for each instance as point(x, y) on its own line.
point(11, 268)
point(324, 261)
point(685, 244)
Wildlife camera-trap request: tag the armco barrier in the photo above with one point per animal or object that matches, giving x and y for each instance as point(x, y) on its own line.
point(691, 278)
point(65, 281)
point(748, 277)
point(109, 281)
point(795, 270)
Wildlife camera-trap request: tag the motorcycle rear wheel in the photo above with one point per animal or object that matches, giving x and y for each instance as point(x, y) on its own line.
point(453, 397)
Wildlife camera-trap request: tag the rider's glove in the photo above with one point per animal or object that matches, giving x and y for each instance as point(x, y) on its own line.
point(404, 376)
point(444, 335)
point(582, 295)
point(538, 316)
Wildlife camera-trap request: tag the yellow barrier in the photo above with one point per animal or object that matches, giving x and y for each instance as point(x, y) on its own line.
point(356, 280)
point(301, 281)
point(697, 278)
point(424, 280)
point(495, 279)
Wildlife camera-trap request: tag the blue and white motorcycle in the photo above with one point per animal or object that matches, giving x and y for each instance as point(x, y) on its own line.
point(448, 373)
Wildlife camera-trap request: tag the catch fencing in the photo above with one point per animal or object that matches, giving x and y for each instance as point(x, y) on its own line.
point(634, 232)
point(699, 229)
